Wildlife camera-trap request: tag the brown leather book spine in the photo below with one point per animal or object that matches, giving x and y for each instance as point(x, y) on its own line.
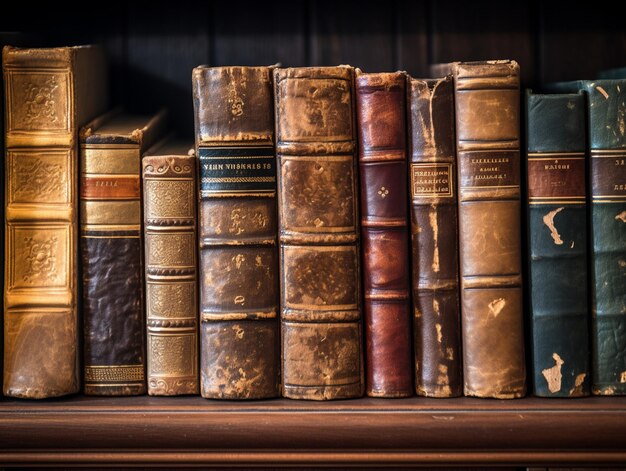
point(49, 94)
point(381, 121)
point(318, 233)
point(169, 185)
point(112, 252)
point(487, 104)
point(240, 337)
point(436, 303)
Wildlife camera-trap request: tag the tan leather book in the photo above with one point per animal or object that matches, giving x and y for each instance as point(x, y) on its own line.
point(240, 337)
point(169, 203)
point(487, 102)
point(318, 232)
point(50, 93)
point(434, 238)
point(111, 147)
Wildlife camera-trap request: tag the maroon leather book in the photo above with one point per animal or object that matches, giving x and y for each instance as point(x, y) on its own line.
point(381, 119)
point(436, 305)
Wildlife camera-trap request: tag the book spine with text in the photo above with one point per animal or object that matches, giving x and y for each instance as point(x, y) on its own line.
point(557, 244)
point(487, 102)
point(318, 232)
point(239, 335)
point(434, 238)
point(49, 93)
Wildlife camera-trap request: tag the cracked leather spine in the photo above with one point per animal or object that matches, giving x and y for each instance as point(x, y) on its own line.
point(239, 325)
point(381, 124)
point(434, 238)
point(169, 189)
point(318, 232)
point(606, 118)
point(111, 250)
point(557, 243)
point(49, 94)
point(488, 149)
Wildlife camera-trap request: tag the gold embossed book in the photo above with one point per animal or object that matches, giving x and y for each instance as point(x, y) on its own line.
point(49, 93)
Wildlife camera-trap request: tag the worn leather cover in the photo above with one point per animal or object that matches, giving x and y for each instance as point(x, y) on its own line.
point(381, 121)
point(240, 337)
point(169, 189)
point(318, 231)
point(49, 94)
point(111, 249)
point(557, 244)
point(487, 122)
point(606, 111)
point(434, 238)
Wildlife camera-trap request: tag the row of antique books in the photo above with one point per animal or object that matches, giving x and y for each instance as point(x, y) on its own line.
point(331, 233)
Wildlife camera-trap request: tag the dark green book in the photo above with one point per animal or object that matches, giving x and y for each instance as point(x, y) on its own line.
point(557, 243)
point(606, 108)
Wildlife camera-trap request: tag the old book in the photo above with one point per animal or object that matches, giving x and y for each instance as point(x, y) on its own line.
point(169, 204)
point(49, 94)
point(488, 146)
point(318, 233)
point(239, 337)
point(606, 111)
point(381, 121)
point(111, 147)
point(434, 238)
point(557, 244)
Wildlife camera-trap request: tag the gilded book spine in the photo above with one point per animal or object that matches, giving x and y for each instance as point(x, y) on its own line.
point(557, 244)
point(318, 231)
point(45, 104)
point(381, 118)
point(112, 269)
point(169, 185)
point(488, 147)
point(434, 238)
point(239, 339)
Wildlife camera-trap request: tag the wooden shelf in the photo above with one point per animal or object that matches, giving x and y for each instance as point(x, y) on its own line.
point(193, 431)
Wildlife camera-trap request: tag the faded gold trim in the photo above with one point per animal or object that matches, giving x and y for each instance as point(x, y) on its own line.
point(562, 155)
point(107, 161)
point(213, 144)
point(236, 316)
point(110, 213)
point(557, 202)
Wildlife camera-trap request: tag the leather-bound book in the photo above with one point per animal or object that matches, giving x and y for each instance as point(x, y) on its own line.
point(606, 111)
point(49, 94)
point(240, 336)
point(487, 102)
point(434, 238)
point(169, 207)
point(111, 147)
point(381, 121)
point(557, 244)
point(318, 231)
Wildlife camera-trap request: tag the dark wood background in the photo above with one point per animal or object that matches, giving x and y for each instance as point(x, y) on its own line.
point(154, 45)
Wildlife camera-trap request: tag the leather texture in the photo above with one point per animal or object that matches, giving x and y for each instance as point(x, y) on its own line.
point(434, 238)
point(169, 185)
point(557, 244)
point(318, 232)
point(49, 94)
point(112, 252)
point(381, 121)
point(487, 123)
point(240, 338)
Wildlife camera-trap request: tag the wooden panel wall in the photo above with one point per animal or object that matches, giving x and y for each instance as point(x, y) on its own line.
point(154, 45)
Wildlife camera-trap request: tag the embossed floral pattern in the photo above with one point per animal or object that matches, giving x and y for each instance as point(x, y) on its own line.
point(40, 258)
point(40, 101)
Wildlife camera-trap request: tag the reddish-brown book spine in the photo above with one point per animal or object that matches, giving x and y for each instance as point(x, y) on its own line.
point(381, 119)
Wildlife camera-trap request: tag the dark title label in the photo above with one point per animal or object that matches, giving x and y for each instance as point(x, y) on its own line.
point(237, 169)
point(556, 177)
point(431, 180)
point(608, 175)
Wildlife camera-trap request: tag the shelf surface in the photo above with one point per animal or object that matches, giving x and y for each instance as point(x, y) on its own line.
point(185, 431)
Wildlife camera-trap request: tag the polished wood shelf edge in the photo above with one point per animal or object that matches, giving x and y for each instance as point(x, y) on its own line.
point(192, 431)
